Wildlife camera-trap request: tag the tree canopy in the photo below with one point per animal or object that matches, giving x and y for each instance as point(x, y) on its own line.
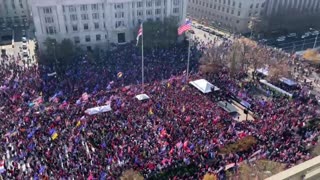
point(160, 33)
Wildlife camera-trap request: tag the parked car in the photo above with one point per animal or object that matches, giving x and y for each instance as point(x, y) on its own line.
point(212, 32)
point(24, 46)
point(199, 27)
point(263, 40)
point(292, 35)
point(24, 40)
point(314, 33)
point(281, 39)
point(206, 29)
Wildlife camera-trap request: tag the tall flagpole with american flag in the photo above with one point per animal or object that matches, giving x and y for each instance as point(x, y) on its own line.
point(182, 29)
point(140, 33)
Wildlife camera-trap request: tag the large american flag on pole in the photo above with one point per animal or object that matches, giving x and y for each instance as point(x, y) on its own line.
point(140, 33)
point(184, 27)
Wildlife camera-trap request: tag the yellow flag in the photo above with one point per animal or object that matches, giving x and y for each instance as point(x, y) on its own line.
point(54, 136)
point(78, 123)
point(168, 85)
point(183, 88)
point(183, 108)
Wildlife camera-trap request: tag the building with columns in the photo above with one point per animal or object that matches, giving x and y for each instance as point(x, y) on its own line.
point(90, 23)
point(229, 15)
point(14, 13)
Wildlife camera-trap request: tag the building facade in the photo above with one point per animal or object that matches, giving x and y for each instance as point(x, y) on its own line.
point(229, 15)
point(293, 15)
point(14, 13)
point(90, 23)
point(301, 6)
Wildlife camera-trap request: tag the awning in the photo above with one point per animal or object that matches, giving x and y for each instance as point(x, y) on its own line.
point(227, 107)
point(142, 97)
point(264, 71)
point(98, 110)
point(204, 86)
point(275, 87)
point(287, 81)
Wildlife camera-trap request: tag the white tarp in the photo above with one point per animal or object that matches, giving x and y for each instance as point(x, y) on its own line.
point(142, 97)
point(52, 74)
point(204, 86)
point(264, 71)
point(98, 110)
point(287, 81)
point(275, 87)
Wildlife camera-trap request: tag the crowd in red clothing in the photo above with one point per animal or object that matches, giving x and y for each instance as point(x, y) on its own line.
point(46, 132)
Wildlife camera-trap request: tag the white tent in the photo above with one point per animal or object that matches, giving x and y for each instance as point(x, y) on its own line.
point(142, 97)
point(204, 86)
point(264, 71)
point(287, 81)
point(98, 110)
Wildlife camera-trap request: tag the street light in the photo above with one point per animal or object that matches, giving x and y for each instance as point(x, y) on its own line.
point(316, 39)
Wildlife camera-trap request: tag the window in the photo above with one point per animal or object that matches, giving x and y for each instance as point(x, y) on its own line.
point(95, 16)
point(177, 2)
point(48, 19)
point(119, 23)
point(94, 7)
point(75, 27)
point(73, 17)
point(76, 39)
point(240, 5)
point(119, 15)
point(140, 13)
point(175, 10)
point(251, 6)
point(84, 16)
point(118, 6)
point(86, 26)
point(149, 3)
point(51, 30)
point(47, 10)
point(88, 39)
point(158, 11)
point(96, 25)
point(238, 13)
point(257, 5)
point(84, 7)
point(149, 12)
point(72, 9)
point(98, 37)
point(139, 4)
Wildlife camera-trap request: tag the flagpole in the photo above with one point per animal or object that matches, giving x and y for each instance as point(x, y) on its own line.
point(188, 55)
point(142, 69)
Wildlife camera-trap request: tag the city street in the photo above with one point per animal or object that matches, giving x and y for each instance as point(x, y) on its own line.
point(15, 47)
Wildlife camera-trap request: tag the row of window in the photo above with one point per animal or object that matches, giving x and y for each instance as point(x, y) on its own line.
point(13, 5)
point(224, 2)
point(88, 38)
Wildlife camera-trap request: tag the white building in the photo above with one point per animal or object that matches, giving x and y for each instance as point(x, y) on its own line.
point(294, 6)
point(230, 15)
point(14, 13)
point(90, 23)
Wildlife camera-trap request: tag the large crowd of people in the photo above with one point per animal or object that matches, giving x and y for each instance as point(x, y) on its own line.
point(45, 131)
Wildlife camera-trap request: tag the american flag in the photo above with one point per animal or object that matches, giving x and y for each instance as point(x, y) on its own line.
point(184, 27)
point(140, 32)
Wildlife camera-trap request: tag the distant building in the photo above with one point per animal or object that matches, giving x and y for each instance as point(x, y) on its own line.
point(229, 15)
point(90, 23)
point(14, 13)
point(292, 14)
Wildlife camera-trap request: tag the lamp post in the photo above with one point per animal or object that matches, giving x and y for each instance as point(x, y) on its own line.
point(316, 39)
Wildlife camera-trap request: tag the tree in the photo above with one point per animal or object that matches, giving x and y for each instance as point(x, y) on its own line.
point(209, 177)
point(160, 33)
point(131, 175)
point(60, 54)
point(259, 170)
